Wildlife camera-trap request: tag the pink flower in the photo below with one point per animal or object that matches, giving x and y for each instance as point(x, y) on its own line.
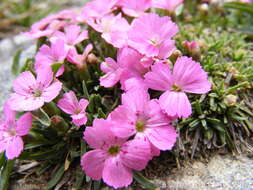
point(70, 105)
point(134, 8)
point(11, 132)
point(169, 5)
point(187, 76)
point(77, 59)
point(30, 93)
point(113, 158)
point(72, 35)
point(129, 64)
point(113, 28)
point(146, 37)
point(246, 1)
point(48, 55)
point(97, 9)
point(52, 23)
point(142, 117)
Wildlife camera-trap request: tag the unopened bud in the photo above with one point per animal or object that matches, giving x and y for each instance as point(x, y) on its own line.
point(230, 100)
point(92, 59)
point(233, 71)
point(203, 7)
point(176, 54)
point(59, 125)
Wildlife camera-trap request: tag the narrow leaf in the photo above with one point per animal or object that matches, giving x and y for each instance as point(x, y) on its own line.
point(5, 175)
point(144, 181)
point(55, 178)
point(42, 117)
point(15, 64)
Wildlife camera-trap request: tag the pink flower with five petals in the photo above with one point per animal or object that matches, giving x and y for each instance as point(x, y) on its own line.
point(11, 132)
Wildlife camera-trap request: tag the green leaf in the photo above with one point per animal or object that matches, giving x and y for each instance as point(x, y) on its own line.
point(144, 181)
point(56, 66)
point(5, 174)
point(101, 114)
point(15, 64)
point(42, 117)
point(244, 7)
point(55, 178)
point(85, 90)
point(2, 159)
point(79, 180)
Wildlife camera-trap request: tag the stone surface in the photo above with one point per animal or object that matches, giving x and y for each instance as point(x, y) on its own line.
point(220, 173)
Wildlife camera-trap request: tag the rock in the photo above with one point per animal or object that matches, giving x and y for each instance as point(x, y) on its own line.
point(220, 173)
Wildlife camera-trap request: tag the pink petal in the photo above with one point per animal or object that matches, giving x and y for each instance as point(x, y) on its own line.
point(44, 75)
point(115, 174)
point(9, 114)
point(110, 79)
point(22, 103)
point(79, 119)
point(175, 104)
point(83, 103)
point(69, 103)
point(135, 154)
point(52, 91)
point(123, 122)
point(136, 100)
point(24, 83)
point(24, 123)
point(93, 162)
point(159, 78)
point(162, 138)
point(190, 76)
point(14, 147)
point(100, 135)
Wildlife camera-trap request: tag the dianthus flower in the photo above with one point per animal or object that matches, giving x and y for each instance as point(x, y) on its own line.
point(187, 76)
point(52, 23)
point(113, 28)
point(79, 59)
point(142, 117)
point(97, 9)
point(134, 8)
point(48, 55)
point(130, 64)
point(169, 5)
point(113, 158)
point(30, 93)
point(11, 132)
point(70, 105)
point(71, 36)
point(151, 35)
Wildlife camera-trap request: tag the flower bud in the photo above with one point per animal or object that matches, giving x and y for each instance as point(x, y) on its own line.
point(92, 59)
point(230, 100)
point(192, 48)
point(59, 125)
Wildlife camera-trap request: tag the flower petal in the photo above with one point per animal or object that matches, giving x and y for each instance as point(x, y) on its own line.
point(175, 104)
point(162, 138)
point(69, 103)
point(115, 174)
point(135, 154)
point(24, 83)
point(93, 162)
point(52, 91)
point(24, 123)
point(160, 77)
point(14, 147)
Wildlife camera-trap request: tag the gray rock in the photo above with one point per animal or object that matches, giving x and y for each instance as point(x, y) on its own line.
point(220, 173)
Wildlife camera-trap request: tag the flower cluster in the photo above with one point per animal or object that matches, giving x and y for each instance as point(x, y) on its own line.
point(139, 128)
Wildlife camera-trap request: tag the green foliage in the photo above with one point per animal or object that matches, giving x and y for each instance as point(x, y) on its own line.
point(224, 116)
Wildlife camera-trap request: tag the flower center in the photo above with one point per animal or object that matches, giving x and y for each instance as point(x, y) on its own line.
point(114, 150)
point(77, 111)
point(140, 126)
point(176, 88)
point(37, 93)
